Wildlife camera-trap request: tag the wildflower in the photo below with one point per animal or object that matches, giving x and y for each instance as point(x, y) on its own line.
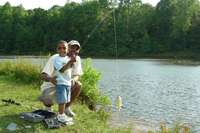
point(179, 128)
point(161, 126)
point(186, 128)
point(109, 108)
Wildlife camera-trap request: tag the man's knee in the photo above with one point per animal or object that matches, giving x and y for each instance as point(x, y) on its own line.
point(48, 96)
point(77, 86)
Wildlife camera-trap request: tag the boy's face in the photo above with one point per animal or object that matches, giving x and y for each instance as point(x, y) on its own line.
point(62, 49)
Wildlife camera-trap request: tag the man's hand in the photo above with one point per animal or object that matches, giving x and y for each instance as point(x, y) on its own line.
point(53, 80)
point(72, 82)
point(47, 78)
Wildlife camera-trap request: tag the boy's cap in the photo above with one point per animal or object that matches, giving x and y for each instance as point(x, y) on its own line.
point(74, 42)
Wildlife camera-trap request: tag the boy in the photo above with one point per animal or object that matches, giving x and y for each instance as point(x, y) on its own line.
point(62, 65)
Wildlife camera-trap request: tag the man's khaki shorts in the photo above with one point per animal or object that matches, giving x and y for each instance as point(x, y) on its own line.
point(48, 96)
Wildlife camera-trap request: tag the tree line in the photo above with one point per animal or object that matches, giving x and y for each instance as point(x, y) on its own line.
point(172, 26)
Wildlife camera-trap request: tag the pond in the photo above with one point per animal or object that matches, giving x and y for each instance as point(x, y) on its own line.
point(152, 91)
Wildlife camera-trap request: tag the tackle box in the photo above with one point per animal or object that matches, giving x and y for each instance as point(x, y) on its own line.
point(52, 123)
point(36, 116)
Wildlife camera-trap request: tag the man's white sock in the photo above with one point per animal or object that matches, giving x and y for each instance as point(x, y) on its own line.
point(67, 108)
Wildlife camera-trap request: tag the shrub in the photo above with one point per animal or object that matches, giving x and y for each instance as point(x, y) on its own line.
point(7, 68)
point(22, 70)
point(90, 93)
point(27, 72)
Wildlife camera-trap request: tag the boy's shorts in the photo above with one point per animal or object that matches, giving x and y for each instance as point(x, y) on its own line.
point(63, 93)
point(48, 96)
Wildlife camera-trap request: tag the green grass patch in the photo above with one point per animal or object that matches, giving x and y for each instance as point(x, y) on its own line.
point(86, 121)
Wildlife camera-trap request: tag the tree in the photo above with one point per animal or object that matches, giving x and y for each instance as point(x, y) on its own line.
point(163, 24)
point(182, 21)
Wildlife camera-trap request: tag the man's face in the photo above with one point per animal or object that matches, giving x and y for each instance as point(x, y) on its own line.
point(73, 49)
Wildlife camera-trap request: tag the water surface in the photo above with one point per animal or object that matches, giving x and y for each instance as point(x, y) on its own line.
point(152, 91)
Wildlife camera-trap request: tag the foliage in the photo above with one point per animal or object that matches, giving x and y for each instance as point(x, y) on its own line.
point(22, 70)
point(27, 72)
point(90, 93)
point(7, 68)
point(141, 29)
point(177, 128)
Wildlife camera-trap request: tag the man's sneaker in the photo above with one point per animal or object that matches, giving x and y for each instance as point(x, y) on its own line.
point(49, 109)
point(69, 112)
point(64, 120)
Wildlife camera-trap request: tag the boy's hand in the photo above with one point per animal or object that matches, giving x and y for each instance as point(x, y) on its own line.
point(73, 56)
point(72, 65)
point(72, 60)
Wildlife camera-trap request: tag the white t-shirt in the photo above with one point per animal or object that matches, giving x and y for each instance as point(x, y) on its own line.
point(49, 69)
point(63, 78)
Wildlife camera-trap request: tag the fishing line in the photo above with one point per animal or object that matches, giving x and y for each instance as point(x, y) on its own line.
point(115, 35)
point(83, 44)
point(117, 77)
point(116, 54)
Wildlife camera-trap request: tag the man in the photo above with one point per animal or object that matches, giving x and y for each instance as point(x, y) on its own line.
point(48, 75)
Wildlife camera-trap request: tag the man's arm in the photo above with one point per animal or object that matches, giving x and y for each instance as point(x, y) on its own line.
point(75, 77)
point(47, 78)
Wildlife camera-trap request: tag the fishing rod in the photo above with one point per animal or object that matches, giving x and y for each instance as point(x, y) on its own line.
point(83, 44)
point(13, 102)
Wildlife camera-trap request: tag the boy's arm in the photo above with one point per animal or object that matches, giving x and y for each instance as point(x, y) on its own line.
point(67, 65)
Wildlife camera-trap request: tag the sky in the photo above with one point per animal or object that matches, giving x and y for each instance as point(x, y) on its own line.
point(47, 4)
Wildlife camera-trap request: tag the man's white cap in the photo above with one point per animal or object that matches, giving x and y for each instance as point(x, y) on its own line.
point(74, 42)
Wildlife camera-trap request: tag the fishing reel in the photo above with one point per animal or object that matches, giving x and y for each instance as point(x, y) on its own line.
point(10, 101)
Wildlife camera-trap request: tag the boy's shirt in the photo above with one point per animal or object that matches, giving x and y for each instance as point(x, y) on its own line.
point(63, 78)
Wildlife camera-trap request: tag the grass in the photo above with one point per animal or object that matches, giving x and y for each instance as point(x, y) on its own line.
point(86, 121)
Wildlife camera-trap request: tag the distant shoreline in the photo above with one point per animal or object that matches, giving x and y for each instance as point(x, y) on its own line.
point(109, 57)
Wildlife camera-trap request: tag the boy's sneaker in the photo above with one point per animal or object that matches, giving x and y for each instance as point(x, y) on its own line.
point(69, 112)
point(64, 120)
point(49, 109)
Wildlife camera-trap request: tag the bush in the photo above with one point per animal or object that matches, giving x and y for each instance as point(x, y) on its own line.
point(27, 72)
point(7, 68)
point(90, 93)
point(24, 71)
